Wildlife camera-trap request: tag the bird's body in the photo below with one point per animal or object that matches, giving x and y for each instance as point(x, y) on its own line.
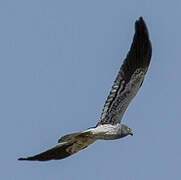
point(107, 132)
point(124, 89)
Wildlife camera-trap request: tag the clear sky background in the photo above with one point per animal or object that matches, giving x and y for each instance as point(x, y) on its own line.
point(58, 60)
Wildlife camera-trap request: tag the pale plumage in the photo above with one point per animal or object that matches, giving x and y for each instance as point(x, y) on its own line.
point(125, 87)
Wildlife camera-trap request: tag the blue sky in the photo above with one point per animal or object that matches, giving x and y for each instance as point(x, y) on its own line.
point(58, 61)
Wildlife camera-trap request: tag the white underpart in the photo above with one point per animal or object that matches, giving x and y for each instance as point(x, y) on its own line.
point(106, 131)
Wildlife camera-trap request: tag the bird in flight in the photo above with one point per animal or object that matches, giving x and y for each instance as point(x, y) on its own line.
point(124, 89)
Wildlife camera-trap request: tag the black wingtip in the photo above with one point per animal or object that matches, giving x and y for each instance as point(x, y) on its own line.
point(30, 159)
point(140, 26)
point(142, 41)
point(140, 20)
point(22, 159)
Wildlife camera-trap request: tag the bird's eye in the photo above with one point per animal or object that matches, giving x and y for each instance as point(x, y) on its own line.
point(128, 129)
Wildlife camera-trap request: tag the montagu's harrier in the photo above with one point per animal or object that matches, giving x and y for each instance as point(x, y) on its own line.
point(125, 87)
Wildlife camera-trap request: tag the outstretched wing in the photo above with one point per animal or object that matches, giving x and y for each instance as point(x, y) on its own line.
point(130, 76)
point(57, 152)
point(74, 144)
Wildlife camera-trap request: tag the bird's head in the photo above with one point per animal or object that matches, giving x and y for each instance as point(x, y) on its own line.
point(125, 130)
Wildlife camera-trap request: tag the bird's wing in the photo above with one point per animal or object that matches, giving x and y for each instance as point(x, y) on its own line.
point(57, 152)
point(130, 76)
point(62, 151)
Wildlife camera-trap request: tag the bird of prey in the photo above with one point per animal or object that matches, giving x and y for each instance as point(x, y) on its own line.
point(124, 89)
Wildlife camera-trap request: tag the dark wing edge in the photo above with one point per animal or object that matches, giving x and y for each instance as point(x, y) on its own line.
point(73, 143)
point(57, 152)
point(138, 57)
point(140, 52)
